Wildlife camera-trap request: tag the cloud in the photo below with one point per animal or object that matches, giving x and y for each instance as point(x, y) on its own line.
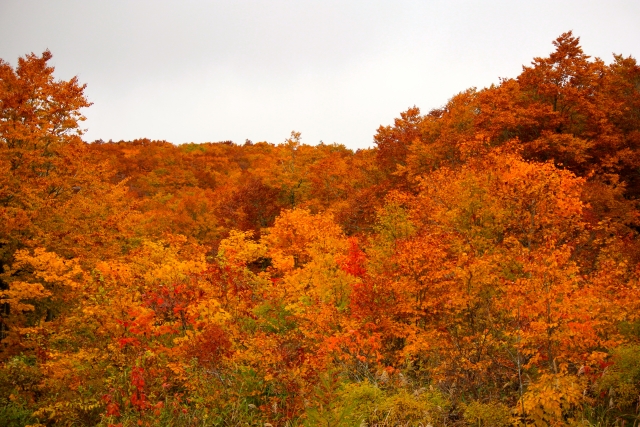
point(334, 70)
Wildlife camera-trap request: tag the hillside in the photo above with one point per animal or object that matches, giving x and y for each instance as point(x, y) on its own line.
point(479, 266)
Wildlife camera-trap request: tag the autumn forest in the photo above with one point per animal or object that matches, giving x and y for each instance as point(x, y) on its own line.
point(479, 266)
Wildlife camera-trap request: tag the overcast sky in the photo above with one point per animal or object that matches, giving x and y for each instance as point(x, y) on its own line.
point(196, 71)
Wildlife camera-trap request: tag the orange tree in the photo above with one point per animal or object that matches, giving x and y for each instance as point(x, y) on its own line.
point(476, 283)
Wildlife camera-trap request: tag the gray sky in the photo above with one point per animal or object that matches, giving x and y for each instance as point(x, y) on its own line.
point(196, 71)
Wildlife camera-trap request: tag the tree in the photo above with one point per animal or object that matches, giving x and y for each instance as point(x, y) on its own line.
point(39, 140)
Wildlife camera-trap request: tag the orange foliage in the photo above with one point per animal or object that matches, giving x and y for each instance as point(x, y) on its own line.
point(480, 264)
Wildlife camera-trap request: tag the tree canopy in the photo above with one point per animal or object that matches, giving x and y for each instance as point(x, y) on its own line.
point(480, 265)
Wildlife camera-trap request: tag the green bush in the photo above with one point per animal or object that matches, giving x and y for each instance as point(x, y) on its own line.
point(15, 415)
point(366, 404)
point(619, 387)
point(492, 414)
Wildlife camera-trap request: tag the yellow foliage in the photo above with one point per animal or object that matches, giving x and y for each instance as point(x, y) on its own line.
point(58, 277)
point(50, 267)
point(18, 292)
point(298, 235)
point(239, 248)
point(553, 400)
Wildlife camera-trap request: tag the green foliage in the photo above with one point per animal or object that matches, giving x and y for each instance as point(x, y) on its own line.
point(411, 409)
point(393, 223)
point(493, 414)
point(367, 404)
point(15, 415)
point(274, 318)
point(19, 376)
point(619, 386)
point(19, 379)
